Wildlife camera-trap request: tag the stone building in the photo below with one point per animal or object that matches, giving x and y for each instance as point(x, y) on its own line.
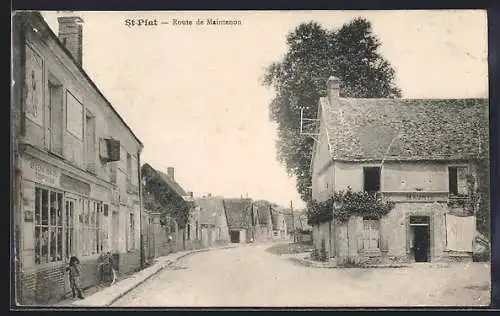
point(75, 188)
point(213, 221)
point(416, 153)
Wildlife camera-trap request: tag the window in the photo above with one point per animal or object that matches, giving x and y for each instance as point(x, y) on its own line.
point(129, 168)
point(74, 116)
point(457, 177)
point(89, 228)
point(55, 133)
point(112, 169)
point(370, 234)
point(90, 142)
point(371, 179)
point(48, 226)
point(131, 235)
point(188, 232)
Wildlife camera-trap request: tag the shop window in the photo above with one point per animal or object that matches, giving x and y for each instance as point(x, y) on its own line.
point(457, 177)
point(371, 234)
point(104, 240)
point(69, 217)
point(48, 226)
point(371, 179)
point(90, 227)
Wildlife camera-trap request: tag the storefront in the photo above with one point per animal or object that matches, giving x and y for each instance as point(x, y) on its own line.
point(63, 216)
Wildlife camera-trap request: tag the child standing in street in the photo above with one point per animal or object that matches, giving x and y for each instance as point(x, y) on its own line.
point(74, 276)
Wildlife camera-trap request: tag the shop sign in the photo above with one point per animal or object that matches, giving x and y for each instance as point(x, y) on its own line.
point(99, 193)
point(41, 172)
point(72, 184)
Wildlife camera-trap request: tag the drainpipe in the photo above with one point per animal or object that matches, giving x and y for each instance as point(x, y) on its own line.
point(141, 233)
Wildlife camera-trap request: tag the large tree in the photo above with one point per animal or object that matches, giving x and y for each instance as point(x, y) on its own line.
point(315, 53)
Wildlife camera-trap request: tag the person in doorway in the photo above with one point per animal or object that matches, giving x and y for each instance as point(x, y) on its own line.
point(74, 276)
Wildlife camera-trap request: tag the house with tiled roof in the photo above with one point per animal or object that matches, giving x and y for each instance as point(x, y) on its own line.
point(241, 219)
point(264, 230)
point(420, 154)
point(213, 222)
point(165, 195)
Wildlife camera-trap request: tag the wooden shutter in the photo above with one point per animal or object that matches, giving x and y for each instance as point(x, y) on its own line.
point(370, 234)
point(462, 180)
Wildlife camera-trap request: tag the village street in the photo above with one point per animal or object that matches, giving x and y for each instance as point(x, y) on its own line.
point(251, 276)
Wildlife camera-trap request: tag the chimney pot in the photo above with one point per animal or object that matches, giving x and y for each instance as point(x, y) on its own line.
point(70, 34)
point(333, 88)
point(170, 172)
point(190, 193)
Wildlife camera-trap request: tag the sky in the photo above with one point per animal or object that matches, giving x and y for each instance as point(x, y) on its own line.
point(192, 94)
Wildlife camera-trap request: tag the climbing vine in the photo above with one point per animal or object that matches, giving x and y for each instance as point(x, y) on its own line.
point(344, 204)
point(159, 197)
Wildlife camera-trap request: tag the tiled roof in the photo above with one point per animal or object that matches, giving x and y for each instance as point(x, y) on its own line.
point(238, 213)
point(428, 129)
point(210, 208)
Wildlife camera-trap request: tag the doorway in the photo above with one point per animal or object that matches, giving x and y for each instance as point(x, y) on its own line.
point(420, 232)
point(235, 236)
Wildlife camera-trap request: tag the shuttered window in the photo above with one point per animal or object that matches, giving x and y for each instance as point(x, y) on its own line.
point(457, 177)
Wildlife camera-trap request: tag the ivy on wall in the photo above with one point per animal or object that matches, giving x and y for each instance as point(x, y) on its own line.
point(159, 197)
point(344, 204)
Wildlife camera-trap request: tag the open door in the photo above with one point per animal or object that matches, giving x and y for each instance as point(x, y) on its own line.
point(420, 231)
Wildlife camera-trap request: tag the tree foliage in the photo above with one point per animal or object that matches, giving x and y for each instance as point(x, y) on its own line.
point(313, 55)
point(482, 199)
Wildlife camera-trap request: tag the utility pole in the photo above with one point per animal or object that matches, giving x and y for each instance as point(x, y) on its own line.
point(293, 221)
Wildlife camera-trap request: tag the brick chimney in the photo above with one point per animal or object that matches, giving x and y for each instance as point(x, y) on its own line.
point(70, 35)
point(170, 172)
point(332, 89)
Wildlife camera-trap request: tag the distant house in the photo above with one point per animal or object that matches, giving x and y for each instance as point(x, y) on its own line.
point(167, 197)
point(213, 222)
point(280, 230)
point(240, 219)
point(264, 229)
point(416, 153)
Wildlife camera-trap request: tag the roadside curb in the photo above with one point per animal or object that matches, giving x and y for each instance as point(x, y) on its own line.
point(327, 265)
point(165, 265)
